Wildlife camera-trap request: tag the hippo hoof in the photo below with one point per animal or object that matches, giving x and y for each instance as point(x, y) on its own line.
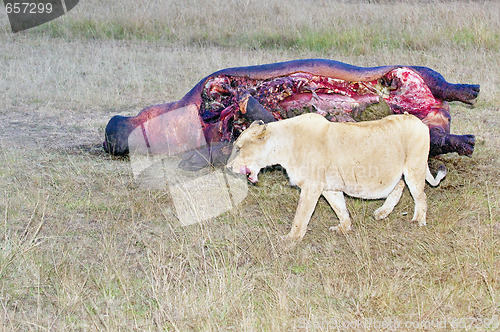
point(195, 160)
point(465, 146)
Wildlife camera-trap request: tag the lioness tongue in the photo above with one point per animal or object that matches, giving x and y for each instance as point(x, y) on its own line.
point(244, 170)
point(252, 178)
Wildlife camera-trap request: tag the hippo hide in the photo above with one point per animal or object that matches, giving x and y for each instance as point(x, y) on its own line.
point(214, 113)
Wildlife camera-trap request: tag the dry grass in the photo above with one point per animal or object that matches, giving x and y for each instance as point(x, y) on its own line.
point(82, 247)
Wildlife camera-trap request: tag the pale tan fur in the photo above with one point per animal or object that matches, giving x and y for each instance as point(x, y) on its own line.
point(365, 159)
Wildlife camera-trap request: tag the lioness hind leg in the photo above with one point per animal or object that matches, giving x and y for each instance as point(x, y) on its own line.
point(337, 202)
point(417, 191)
point(391, 201)
point(307, 203)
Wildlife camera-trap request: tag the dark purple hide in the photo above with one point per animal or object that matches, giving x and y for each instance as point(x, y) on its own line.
point(224, 103)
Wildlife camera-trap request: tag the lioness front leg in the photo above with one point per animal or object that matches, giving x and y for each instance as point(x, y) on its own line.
point(307, 203)
point(337, 202)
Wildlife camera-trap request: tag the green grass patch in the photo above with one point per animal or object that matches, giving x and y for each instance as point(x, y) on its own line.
point(344, 31)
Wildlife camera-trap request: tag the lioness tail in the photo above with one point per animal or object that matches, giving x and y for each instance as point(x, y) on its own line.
point(439, 176)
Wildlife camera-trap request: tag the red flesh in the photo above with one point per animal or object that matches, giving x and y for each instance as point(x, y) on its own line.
point(286, 96)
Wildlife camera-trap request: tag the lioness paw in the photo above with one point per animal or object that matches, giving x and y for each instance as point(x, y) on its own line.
point(287, 243)
point(340, 229)
point(420, 223)
point(380, 214)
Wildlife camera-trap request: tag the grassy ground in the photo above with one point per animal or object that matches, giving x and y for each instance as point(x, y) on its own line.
point(83, 247)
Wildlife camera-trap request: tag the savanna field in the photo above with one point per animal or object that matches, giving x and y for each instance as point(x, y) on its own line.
point(84, 247)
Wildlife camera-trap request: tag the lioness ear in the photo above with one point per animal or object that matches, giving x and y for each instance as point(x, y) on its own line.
point(260, 129)
point(263, 133)
point(256, 123)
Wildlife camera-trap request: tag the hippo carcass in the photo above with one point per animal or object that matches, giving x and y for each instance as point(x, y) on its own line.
point(224, 103)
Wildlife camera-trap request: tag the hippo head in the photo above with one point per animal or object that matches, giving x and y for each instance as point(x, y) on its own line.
point(117, 134)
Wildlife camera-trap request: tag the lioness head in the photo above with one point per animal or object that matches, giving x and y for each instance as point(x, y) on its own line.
point(249, 151)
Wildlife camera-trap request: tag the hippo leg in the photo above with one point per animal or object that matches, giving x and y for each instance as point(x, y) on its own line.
point(215, 154)
point(195, 160)
point(442, 142)
point(440, 88)
point(253, 111)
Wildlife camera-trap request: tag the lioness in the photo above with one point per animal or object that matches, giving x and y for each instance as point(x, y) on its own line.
point(365, 159)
